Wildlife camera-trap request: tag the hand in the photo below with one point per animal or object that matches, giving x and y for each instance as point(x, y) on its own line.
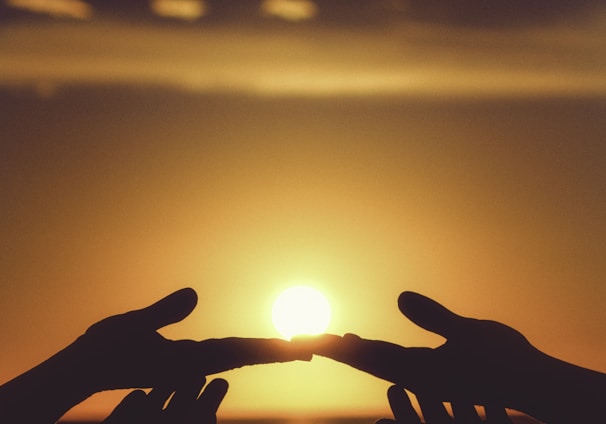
point(187, 405)
point(481, 363)
point(434, 411)
point(126, 351)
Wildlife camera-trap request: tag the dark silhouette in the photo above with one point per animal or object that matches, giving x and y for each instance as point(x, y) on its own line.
point(125, 351)
point(186, 406)
point(434, 411)
point(481, 363)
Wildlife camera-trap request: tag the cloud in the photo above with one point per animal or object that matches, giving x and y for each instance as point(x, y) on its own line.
point(76, 9)
point(188, 10)
point(290, 10)
point(304, 61)
point(465, 13)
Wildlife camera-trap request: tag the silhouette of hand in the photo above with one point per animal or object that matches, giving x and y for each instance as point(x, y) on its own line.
point(434, 411)
point(126, 351)
point(186, 406)
point(481, 363)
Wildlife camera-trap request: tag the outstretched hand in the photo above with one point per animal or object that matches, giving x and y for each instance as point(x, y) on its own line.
point(186, 406)
point(126, 351)
point(481, 363)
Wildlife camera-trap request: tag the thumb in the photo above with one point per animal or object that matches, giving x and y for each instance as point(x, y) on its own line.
point(429, 314)
point(173, 308)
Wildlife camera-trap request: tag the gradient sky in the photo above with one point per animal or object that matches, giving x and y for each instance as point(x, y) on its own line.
point(364, 147)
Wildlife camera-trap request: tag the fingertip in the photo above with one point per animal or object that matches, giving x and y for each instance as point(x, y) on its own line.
point(427, 313)
point(299, 348)
point(172, 308)
point(385, 421)
point(212, 396)
point(407, 300)
point(397, 396)
point(415, 306)
point(220, 384)
point(136, 396)
point(351, 337)
point(393, 393)
point(394, 390)
point(187, 296)
point(311, 341)
point(401, 406)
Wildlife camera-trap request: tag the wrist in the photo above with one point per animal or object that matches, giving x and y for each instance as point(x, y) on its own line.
point(560, 392)
point(46, 392)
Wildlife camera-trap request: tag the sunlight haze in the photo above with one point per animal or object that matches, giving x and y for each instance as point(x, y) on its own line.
point(241, 147)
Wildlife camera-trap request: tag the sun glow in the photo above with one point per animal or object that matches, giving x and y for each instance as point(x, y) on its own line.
point(301, 310)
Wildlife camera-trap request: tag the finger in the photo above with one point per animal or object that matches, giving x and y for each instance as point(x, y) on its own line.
point(385, 421)
point(153, 409)
point(205, 408)
point(186, 394)
point(429, 314)
point(213, 394)
point(217, 355)
point(157, 397)
point(389, 361)
point(128, 409)
point(173, 308)
point(465, 413)
point(433, 410)
point(496, 415)
point(402, 408)
point(182, 403)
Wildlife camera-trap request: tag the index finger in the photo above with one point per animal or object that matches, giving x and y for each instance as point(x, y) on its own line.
point(217, 355)
point(382, 359)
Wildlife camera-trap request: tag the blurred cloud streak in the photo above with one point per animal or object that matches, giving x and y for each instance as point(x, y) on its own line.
point(310, 61)
point(58, 8)
point(188, 10)
point(290, 10)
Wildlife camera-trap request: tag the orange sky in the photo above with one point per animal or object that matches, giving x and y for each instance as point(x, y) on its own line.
point(463, 163)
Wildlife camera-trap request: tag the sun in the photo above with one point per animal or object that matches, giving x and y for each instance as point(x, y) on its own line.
point(301, 310)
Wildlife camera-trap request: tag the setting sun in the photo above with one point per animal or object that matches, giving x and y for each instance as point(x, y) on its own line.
point(301, 310)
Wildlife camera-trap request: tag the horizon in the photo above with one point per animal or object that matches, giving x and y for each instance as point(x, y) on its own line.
point(516, 418)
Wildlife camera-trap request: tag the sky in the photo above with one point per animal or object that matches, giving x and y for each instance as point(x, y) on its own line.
point(454, 148)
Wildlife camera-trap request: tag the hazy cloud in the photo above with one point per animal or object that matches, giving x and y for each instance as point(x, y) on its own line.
point(307, 58)
point(482, 13)
point(403, 60)
point(291, 10)
point(188, 10)
point(76, 9)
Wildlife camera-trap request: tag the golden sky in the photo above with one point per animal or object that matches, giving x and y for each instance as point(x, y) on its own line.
point(461, 160)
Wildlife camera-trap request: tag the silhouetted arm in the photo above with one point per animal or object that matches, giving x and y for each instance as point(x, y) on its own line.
point(126, 351)
point(44, 393)
point(481, 363)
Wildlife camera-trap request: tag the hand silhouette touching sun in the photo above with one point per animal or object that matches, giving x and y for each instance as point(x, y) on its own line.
point(126, 351)
point(301, 310)
point(481, 363)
